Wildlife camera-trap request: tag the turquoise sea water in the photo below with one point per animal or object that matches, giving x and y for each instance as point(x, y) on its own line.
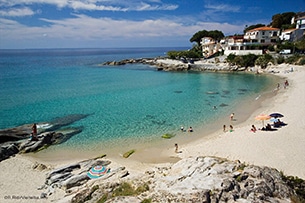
point(131, 101)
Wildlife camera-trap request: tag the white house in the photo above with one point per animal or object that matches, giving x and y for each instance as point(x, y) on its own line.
point(263, 35)
point(238, 46)
point(209, 46)
point(292, 34)
point(300, 22)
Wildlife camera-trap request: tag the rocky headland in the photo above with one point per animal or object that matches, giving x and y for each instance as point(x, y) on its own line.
point(165, 64)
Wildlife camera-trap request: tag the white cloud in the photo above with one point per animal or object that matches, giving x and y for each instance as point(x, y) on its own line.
point(83, 27)
point(222, 8)
point(18, 12)
point(148, 7)
point(107, 5)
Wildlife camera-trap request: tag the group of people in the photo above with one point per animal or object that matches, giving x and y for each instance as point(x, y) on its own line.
point(286, 84)
point(189, 130)
point(225, 130)
point(231, 126)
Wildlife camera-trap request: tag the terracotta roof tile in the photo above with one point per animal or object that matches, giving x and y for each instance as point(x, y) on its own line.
point(264, 29)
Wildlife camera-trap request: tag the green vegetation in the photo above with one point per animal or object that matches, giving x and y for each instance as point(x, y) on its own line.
point(127, 154)
point(296, 184)
point(242, 61)
point(184, 54)
point(126, 189)
point(103, 198)
point(215, 34)
point(263, 60)
point(283, 21)
point(250, 60)
point(146, 201)
point(296, 59)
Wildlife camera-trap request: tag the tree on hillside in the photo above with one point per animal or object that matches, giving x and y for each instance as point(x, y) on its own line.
point(251, 27)
point(282, 20)
point(277, 21)
point(215, 34)
point(198, 36)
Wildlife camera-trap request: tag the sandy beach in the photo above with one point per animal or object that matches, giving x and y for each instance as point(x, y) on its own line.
point(282, 149)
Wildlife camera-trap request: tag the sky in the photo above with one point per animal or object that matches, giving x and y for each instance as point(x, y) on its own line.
point(26, 24)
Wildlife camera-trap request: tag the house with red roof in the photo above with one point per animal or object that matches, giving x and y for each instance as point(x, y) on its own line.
point(253, 42)
point(263, 35)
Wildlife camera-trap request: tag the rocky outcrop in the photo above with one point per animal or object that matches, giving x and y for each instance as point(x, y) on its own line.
point(200, 179)
point(18, 139)
point(209, 179)
point(177, 65)
point(74, 180)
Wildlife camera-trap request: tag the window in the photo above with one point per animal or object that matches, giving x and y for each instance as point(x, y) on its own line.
point(262, 41)
point(263, 33)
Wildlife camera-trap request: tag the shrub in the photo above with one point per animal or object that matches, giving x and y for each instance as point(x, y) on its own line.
point(263, 60)
point(280, 60)
point(230, 59)
point(126, 189)
point(184, 54)
point(297, 184)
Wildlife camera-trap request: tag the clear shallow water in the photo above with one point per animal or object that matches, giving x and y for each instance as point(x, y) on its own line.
point(132, 101)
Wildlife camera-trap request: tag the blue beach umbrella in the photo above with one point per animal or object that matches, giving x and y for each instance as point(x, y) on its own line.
point(97, 172)
point(276, 115)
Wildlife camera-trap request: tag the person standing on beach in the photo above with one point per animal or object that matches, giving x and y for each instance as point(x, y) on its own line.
point(176, 148)
point(231, 128)
point(286, 84)
point(224, 128)
point(34, 131)
point(232, 116)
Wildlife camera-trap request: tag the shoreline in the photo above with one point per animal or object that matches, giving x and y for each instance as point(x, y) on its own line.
point(282, 149)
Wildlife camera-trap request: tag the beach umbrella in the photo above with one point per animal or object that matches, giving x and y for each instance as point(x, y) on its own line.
point(276, 115)
point(262, 117)
point(97, 172)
